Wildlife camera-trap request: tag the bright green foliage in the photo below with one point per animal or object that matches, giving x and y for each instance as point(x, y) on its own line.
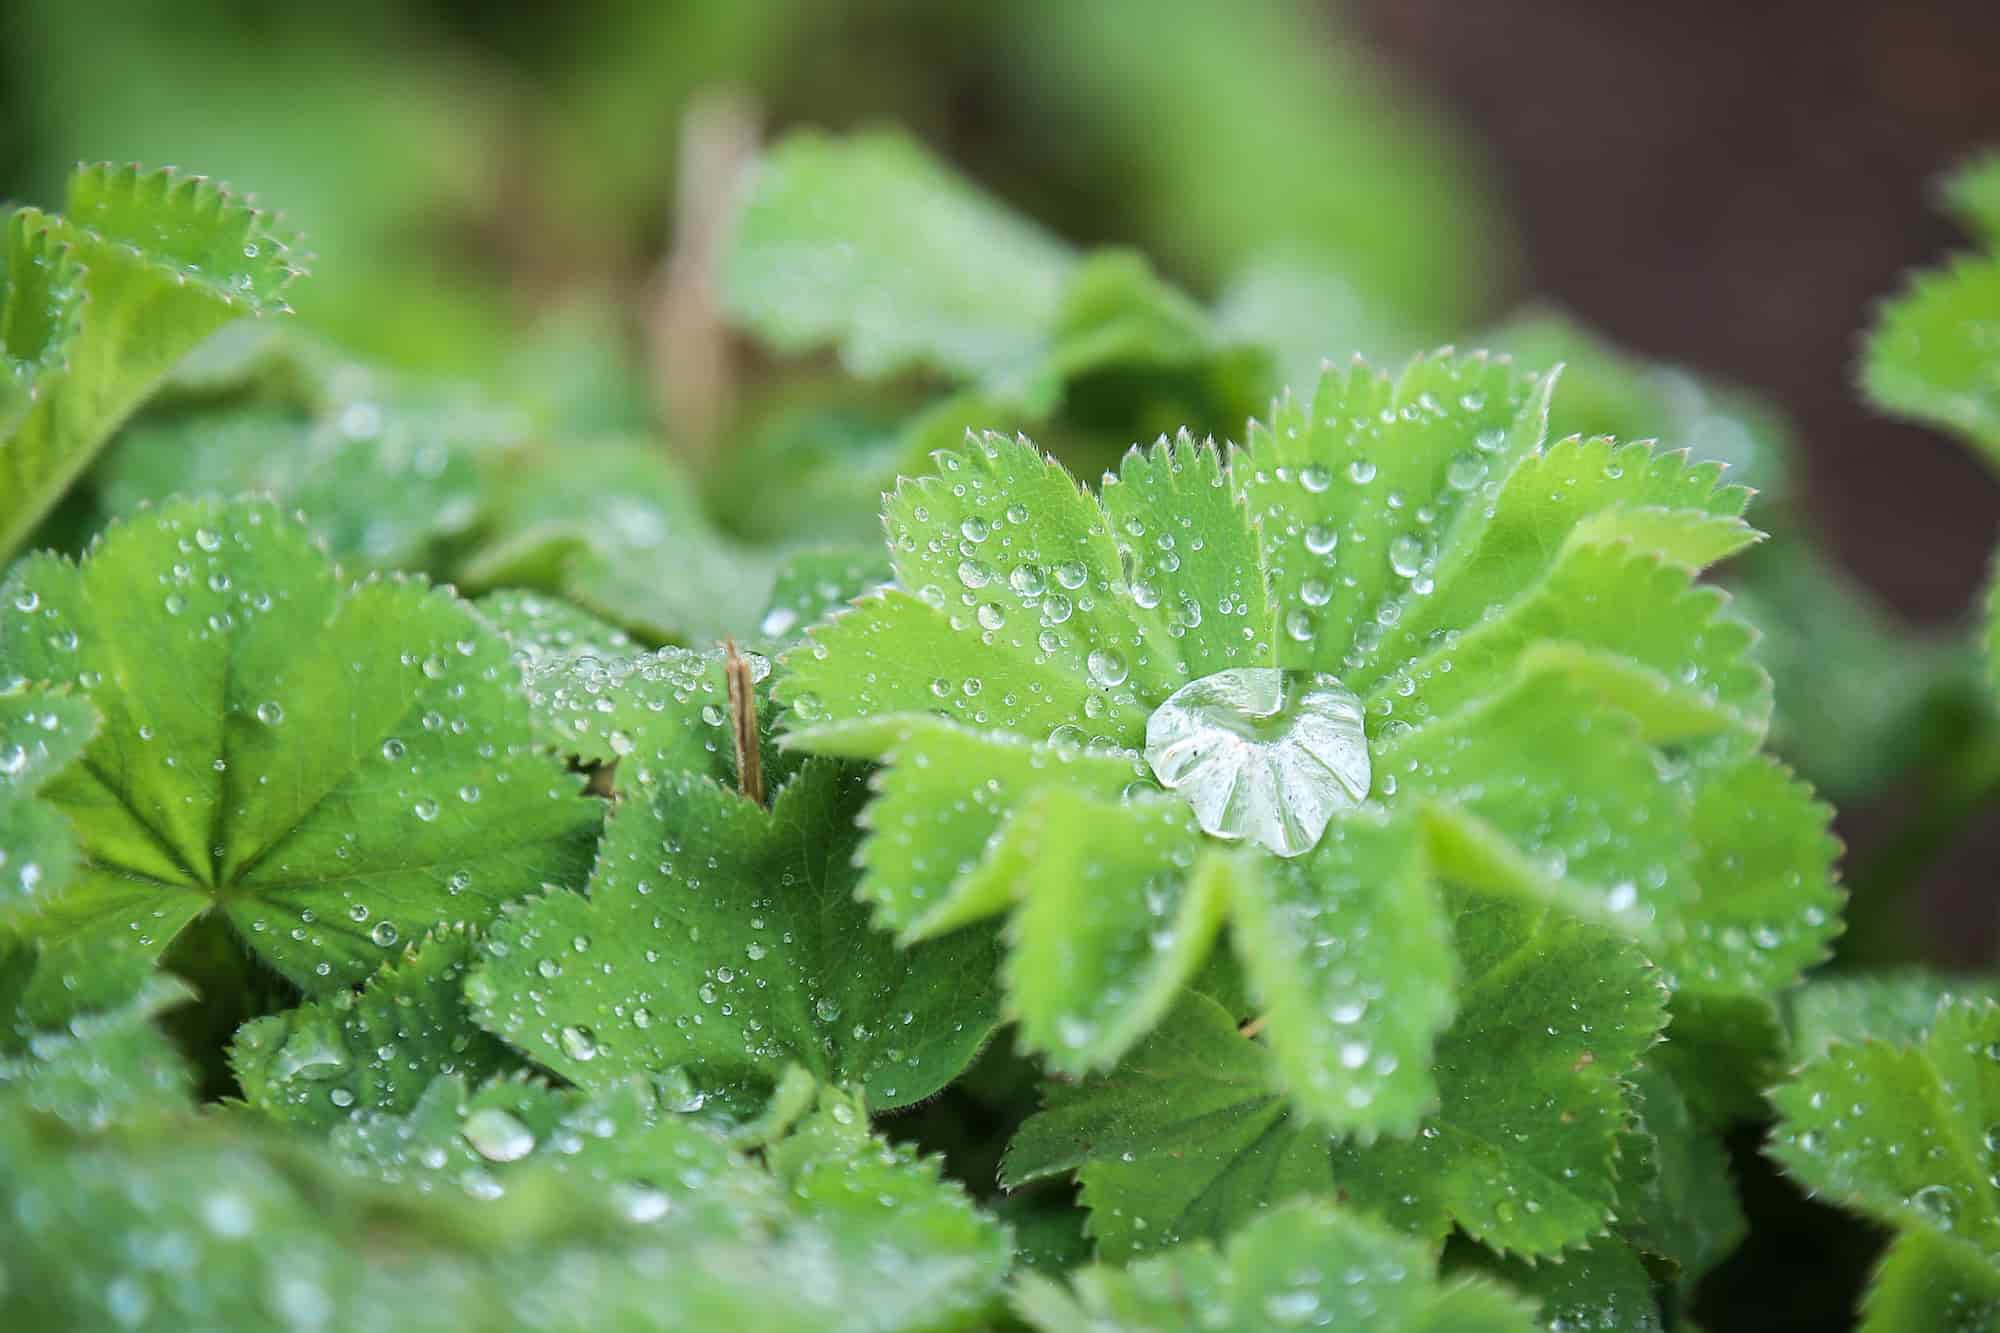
point(1542, 678)
point(1934, 352)
point(813, 583)
point(90, 1065)
point(547, 631)
point(372, 1051)
point(1340, 1042)
point(41, 733)
point(385, 484)
point(1302, 1265)
point(1895, 1007)
point(615, 527)
point(863, 243)
point(1127, 917)
point(333, 769)
point(1604, 1286)
point(1191, 1135)
point(1933, 357)
point(578, 1236)
point(1608, 390)
point(666, 711)
point(98, 304)
point(1973, 195)
point(527, 1001)
point(1906, 1134)
point(720, 943)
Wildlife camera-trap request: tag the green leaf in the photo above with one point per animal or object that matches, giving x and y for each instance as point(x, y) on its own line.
point(1575, 490)
point(330, 768)
point(563, 1231)
point(927, 860)
point(1931, 356)
point(872, 247)
point(869, 244)
point(41, 733)
point(1004, 544)
point(1603, 1285)
point(653, 714)
point(1350, 956)
point(1574, 716)
point(1608, 613)
point(98, 1064)
point(614, 526)
point(1191, 1134)
point(720, 943)
point(386, 480)
point(1301, 1264)
point(1898, 1008)
point(1972, 193)
point(1356, 491)
point(1752, 906)
point(1932, 1281)
point(1184, 537)
point(377, 1051)
point(811, 584)
point(547, 630)
point(1906, 1135)
point(835, 1198)
point(1676, 1198)
point(97, 306)
point(1125, 906)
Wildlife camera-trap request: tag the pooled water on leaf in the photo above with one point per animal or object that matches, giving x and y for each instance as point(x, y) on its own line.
point(1262, 753)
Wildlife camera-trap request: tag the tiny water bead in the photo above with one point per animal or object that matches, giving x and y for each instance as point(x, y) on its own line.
point(1262, 753)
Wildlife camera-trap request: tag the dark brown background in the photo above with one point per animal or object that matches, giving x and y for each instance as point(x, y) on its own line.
point(1734, 187)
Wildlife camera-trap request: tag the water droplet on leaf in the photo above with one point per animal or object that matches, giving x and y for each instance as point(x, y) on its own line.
point(1262, 753)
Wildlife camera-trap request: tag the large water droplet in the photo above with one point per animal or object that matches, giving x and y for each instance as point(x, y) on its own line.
point(497, 1136)
point(1262, 753)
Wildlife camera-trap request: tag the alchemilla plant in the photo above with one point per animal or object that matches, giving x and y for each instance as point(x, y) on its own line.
point(1337, 875)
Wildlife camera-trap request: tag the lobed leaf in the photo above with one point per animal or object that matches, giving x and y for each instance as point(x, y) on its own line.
point(1192, 1134)
point(1931, 356)
point(1185, 540)
point(41, 733)
point(614, 526)
point(1904, 1134)
point(570, 1230)
point(376, 1051)
point(862, 244)
point(1349, 955)
point(1300, 1264)
point(721, 943)
point(330, 768)
point(93, 1061)
point(97, 306)
point(1125, 904)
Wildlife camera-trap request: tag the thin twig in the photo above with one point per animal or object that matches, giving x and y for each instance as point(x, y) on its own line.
point(743, 722)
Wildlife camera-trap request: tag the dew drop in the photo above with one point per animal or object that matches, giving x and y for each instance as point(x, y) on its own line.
point(1262, 753)
point(497, 1136)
